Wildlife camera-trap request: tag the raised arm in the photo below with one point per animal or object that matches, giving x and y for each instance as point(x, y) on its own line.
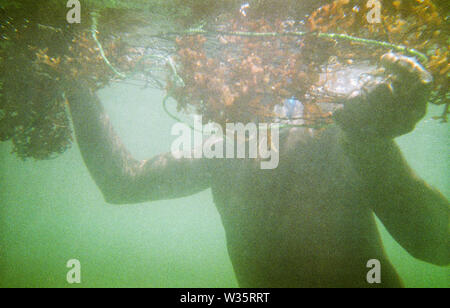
point(122, 179)
point(415, 214)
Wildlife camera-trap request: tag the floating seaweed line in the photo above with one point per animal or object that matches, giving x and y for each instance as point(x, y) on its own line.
point(336, 36)
point(199, 31)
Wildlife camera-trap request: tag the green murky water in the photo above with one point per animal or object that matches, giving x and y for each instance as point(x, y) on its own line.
point(52, 211)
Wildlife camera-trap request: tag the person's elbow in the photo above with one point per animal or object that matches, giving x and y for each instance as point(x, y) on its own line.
point(128, 192)
point(438, 259)
point(114, 200)
point(116, 195)
point(437, 253)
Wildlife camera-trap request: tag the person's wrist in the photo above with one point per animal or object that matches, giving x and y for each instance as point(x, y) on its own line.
point(352, 120)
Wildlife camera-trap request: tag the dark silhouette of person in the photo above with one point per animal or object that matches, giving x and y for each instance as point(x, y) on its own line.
point(310, 222)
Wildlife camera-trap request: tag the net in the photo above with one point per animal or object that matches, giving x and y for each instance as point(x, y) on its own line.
point(233, 66)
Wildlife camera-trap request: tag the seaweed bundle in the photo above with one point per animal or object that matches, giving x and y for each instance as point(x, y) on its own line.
point(232, 64)
point(242, 69)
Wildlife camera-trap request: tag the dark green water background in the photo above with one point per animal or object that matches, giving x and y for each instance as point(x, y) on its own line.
point(52, 211)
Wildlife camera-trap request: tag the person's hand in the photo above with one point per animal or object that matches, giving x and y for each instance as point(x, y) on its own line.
point(388, 106)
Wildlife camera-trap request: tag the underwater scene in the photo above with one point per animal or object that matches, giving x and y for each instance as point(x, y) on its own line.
point(104, 105)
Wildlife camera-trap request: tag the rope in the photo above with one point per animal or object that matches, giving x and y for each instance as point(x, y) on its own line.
point(199, 31)
point(336, 36)
point(94, 31)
